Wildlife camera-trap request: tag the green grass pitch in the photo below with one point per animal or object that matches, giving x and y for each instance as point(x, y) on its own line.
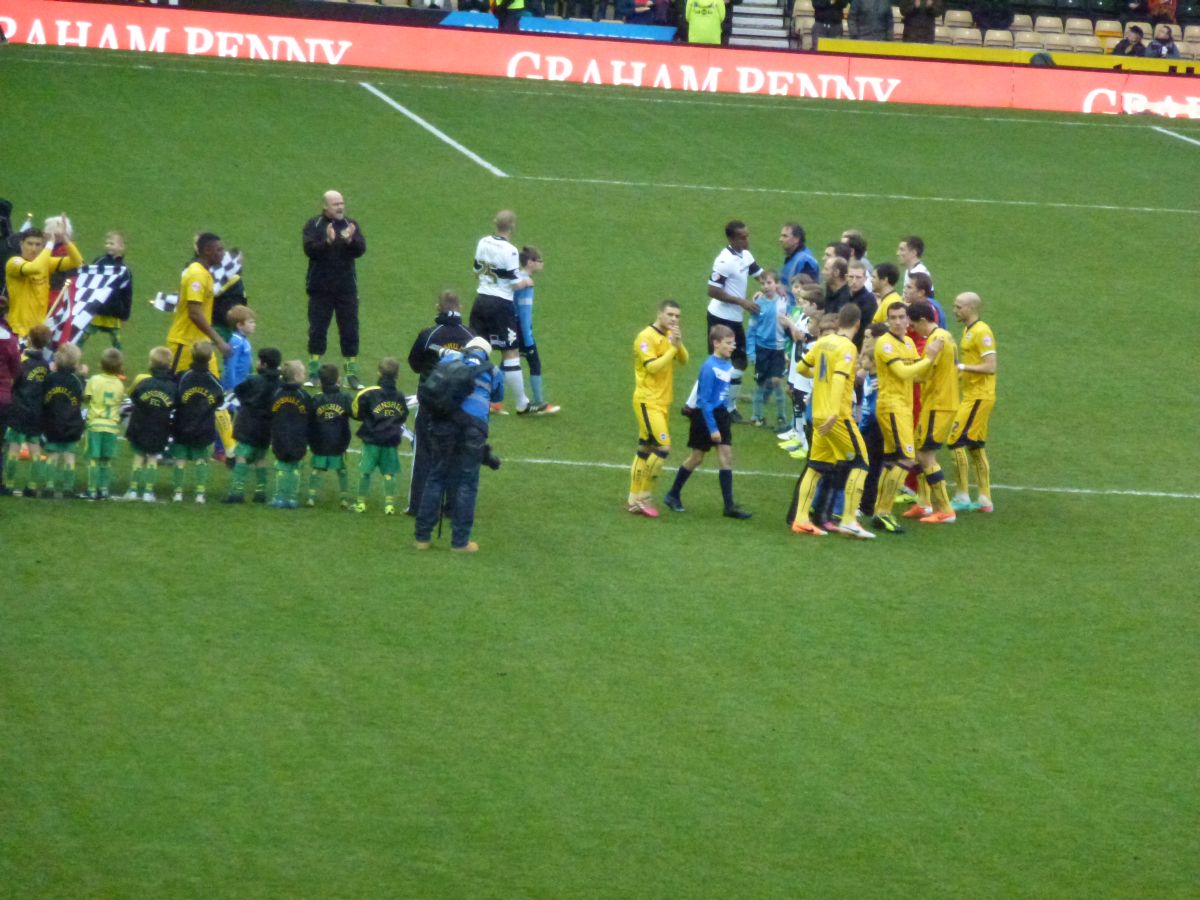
point(212, 702)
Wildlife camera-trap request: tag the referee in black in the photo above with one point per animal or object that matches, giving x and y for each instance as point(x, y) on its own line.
point(332, 242)
point(447, 333)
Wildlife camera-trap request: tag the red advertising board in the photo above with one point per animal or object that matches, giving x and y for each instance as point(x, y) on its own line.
point(152, 29)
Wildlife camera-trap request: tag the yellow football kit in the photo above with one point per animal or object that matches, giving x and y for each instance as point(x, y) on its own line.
point(195, 286)
point(28, 282)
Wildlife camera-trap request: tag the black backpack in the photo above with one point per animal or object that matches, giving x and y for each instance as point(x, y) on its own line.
point(448, 385)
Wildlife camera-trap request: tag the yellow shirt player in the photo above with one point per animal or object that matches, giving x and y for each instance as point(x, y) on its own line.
point(977, 368)
point(28, 279)
point(657, 351)
point(939, 403)
point(193, 316)
point(838, 450)
point(103, 395)
point(898, 364)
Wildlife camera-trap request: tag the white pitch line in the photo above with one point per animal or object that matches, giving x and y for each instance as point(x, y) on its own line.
point(1175, 134)
point(1099, 492)
point(857, 195)
point(435, 131)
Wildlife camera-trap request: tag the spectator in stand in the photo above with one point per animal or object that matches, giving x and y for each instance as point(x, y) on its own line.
point(827, 15)
point(871, 20)
point(1163, 46)
point(992, 14)
point(704, 18)
point(920, 19)
point(1131, 44)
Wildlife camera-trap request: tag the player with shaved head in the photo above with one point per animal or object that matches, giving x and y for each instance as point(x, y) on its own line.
point(332, 242)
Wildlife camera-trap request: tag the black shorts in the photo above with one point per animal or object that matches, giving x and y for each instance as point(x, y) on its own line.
point(769, 364)
point(496, 319)
point(698, 436)
point(738, 359)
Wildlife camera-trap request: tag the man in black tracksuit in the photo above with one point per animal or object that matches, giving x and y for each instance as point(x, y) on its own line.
point(448, 333)
point(332, 242)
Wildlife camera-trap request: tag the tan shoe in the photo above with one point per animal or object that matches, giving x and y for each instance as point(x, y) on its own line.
point(422, 545)
point(469, 547)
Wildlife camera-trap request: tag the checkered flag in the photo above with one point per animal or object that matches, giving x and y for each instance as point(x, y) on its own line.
point(225, 272)
point(165, 302)
point(81, 301)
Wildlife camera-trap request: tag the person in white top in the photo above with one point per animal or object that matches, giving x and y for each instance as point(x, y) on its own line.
point(494, 314)
point(727, 305)
point(909, 254)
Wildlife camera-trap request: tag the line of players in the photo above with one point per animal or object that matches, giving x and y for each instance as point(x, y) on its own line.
point(831, 379)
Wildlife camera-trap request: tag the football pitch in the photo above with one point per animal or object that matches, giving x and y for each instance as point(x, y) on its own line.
point(242, 702)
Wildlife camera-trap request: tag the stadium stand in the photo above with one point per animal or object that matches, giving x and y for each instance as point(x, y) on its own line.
point(1085, 43)
point(968, 37)
point(1027, 40)
point(1048, 25)
point(1001, 39)
point(1078, 26)
point(1058, 43)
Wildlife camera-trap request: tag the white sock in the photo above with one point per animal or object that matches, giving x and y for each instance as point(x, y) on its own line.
point(514, 383)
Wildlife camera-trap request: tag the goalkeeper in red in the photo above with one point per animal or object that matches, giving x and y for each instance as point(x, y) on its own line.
point(657, 351)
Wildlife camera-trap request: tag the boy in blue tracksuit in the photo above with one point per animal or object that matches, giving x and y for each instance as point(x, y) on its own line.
point(460, 447)
point(766, 343)
point(711, 424)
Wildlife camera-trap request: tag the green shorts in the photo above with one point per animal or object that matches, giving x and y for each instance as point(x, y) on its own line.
point(60, 446)
point(101, 445)
point(13, 436)
point(190, 451)
point(248, 453)
point(327, 463)
point(385, 459)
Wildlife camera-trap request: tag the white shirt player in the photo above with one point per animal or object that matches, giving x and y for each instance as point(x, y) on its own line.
point(731, 272)
point(497, 263)
point(919, 267)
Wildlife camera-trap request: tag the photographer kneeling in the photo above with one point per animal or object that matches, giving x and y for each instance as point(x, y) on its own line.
point(458, 394)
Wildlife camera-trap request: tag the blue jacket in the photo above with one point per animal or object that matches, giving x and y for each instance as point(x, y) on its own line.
point(713, 389)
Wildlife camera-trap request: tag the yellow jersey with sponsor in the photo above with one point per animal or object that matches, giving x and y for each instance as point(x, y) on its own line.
point(195, 286)
point(897, 364)
point(104, 394)
point(28, 282)
point(654, 361)
point(939, 390)
point(977, 342)
point(831, 363)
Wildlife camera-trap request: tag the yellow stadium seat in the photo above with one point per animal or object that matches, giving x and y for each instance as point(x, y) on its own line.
point(968, 37)
point(1190, 49)
point(1059, 43)
point(1021, 22)
point(997, 37)
point(1109, 42)
point(1078, 26)
point(1108, 28)
point(958, 18)
point(1085, 43)
point(943, 35)
point(1048, 25)
point(1028, 40)
point(1191, 34)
